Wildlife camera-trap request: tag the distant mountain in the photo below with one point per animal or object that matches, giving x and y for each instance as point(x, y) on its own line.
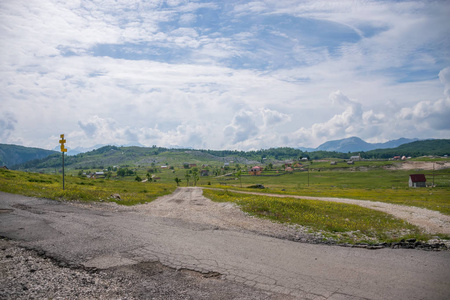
point(109, 156)
point(78, 150)
point(11, 155)
point(415, 149)
point(355, 144)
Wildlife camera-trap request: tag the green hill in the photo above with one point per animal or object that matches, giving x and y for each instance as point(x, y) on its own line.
point(110, 156)
point(414, 149)
point(11, 155)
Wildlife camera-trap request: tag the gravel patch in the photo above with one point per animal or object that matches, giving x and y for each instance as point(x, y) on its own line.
point(27, 274)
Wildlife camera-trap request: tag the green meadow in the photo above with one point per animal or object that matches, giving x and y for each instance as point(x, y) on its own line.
point(343, 223)
point(81, 188)
point(366, 180)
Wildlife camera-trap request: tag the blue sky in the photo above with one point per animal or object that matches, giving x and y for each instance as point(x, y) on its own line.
point(222, 74)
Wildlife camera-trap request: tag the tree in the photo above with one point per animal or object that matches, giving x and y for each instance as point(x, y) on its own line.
point(138, 179)
point(187, 176)
point(177, 180)
point(149, 177)
point(239, 176)
point(195, 176)
point(121, 172)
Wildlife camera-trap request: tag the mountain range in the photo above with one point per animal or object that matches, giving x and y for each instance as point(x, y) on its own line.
point(19, 157)
point(355, 144)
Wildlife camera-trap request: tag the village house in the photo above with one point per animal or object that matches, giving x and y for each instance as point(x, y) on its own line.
point(256, 170)
point(417, 180)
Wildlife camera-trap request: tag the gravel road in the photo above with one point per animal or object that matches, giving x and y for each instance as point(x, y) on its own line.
point(429, 220)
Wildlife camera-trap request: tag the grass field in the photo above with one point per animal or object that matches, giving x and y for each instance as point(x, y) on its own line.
point(347, 223)
point(374, 183)
point(341, 222)
point(81, 189)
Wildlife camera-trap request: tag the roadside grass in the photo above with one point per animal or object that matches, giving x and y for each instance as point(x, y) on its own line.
point(343, 223)
point(389, 186)
point(81, 189)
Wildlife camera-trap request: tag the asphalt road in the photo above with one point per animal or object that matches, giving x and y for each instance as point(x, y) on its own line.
point(107, 238)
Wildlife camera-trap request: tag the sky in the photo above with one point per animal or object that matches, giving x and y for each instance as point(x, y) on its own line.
point(214, 74)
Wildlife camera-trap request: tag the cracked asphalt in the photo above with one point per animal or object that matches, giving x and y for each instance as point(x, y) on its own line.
point(120, 237)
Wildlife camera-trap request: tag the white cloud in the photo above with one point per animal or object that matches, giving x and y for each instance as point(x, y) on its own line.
point(7, 125)
point(155, 72)
point(431, 114)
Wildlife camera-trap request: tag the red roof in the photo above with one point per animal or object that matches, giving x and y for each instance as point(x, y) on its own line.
point(418, 177)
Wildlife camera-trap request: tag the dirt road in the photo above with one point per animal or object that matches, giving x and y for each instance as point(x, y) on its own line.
point(121, 240)
point(431, 221)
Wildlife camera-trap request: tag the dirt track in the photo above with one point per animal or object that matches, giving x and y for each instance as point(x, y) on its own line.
point(430, 220)
point(196, 208)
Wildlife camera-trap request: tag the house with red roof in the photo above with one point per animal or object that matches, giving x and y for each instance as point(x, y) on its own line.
point(417, 180)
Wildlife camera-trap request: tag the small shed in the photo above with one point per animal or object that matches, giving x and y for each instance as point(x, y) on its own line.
point(417, 180)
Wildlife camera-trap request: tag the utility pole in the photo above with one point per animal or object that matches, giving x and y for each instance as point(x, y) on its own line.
point(62, 141)
point(308, 175)
point(433, 173)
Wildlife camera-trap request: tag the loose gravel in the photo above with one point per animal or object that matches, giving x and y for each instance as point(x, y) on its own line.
point(27, 274)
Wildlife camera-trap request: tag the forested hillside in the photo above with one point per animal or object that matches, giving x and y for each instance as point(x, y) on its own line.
point(11, 155)
point(414, 149)
point(145, 156)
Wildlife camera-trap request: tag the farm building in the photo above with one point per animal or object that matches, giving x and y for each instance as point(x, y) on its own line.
point(256, 170)
point(417, 180)
point(356, 157)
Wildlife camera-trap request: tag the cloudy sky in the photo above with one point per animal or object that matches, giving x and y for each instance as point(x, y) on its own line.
point(216, 74)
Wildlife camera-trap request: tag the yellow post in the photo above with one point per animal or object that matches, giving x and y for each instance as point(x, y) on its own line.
point(62, 141)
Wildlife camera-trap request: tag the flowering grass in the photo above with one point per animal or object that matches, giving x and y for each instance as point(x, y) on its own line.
point(81, 189)
point(389, 186)
point(342, 222)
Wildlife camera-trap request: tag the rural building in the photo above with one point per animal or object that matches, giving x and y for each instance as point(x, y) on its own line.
point(96, 175)
point(204, 173)
point(4, 167)
point(356, 157)
point(350, 162)
point(333, 163)
point(417, 180)
point(289, 169)
point(256, 170)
